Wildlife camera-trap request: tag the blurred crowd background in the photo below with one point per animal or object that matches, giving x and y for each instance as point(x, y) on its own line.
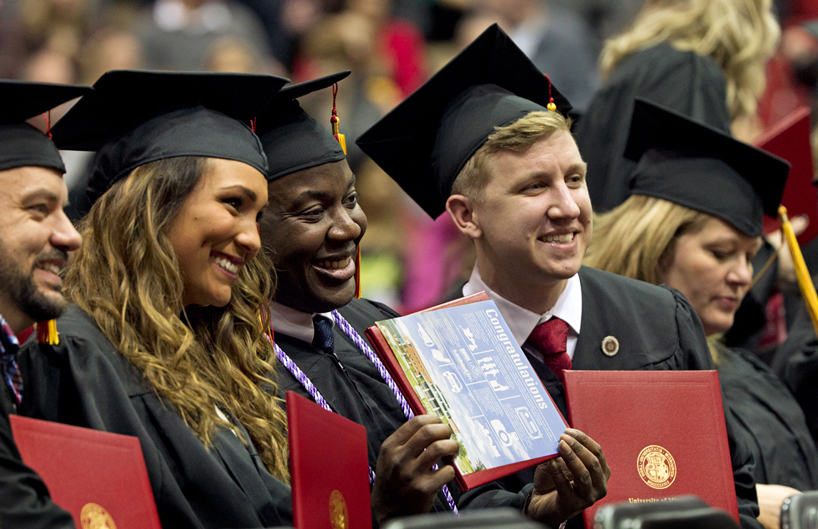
point(391, 46)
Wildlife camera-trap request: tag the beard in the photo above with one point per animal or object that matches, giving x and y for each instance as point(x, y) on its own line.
point(21, 289)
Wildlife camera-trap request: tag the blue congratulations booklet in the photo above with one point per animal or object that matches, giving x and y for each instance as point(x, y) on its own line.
point(462, 364)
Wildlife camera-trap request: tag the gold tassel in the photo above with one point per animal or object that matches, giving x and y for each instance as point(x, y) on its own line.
point(47, 332)
point(336, 131)
point(801, 272)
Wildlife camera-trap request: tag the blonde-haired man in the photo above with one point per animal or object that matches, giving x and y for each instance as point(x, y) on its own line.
point(487, 140)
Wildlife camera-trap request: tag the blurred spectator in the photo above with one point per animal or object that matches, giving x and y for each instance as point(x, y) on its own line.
point(286, 22)
point(110, 49)
point(55, 24)
point(606, 18)
point(703, 58)
point(399, 42)
point(232, 55)
point(32, 26)
point(178, 34)
point(349, 40)
point(556, 40)
point(50, 66)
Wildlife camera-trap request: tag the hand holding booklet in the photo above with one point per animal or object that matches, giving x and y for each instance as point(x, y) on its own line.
point(462, 364)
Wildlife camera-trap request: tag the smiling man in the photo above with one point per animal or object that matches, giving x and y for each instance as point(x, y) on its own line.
point(488, 140)
point(311, 231)
point(35, 238)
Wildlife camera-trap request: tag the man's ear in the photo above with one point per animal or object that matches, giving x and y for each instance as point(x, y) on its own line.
point(461, 210)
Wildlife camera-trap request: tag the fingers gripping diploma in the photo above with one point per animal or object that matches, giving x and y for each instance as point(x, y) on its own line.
point(567, 484)
point(405, 482)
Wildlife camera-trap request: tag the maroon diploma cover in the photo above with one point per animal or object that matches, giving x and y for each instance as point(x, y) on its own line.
point(329, 465)
point(790, 139)
point(96, 476)
point(662, 432)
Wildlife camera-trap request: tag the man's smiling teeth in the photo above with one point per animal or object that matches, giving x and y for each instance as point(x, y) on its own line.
point(50, 267)
point(227, 265)
point(566, 238)
point(334, 264)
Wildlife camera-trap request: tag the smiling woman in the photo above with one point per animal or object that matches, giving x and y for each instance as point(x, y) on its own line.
point(214, 234)
point(164, 338)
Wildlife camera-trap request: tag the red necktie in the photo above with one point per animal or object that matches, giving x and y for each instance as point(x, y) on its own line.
point(551, 339)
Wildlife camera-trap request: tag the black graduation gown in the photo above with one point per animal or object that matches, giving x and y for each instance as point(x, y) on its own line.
point(774, 424)
point(24, 499)
point(84, 381)
point(684, 81)
point(796, 364)
point(657, 329)
point(355, 391)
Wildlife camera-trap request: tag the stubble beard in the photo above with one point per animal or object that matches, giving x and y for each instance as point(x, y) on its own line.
point(22, 290)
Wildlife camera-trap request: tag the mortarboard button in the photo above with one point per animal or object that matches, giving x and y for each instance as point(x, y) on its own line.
point(610, 346)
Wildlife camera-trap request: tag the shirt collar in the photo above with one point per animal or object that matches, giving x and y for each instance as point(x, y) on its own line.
point(294, 323)
point(522, 321)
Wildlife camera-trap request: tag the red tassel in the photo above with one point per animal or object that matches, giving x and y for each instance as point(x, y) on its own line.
point(334, 121)
point(47, 116)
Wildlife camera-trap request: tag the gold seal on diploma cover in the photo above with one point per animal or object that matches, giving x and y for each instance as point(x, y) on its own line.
point(94, 516)
point(338, 517)
point(656, 467)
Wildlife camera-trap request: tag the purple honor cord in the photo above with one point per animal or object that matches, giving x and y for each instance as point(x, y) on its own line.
point(359, 342)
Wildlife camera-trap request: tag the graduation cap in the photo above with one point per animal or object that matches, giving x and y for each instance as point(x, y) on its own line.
point(136, 117)
point(20, 143)
point(700, 167)
point(292, 139)
point(424, 142)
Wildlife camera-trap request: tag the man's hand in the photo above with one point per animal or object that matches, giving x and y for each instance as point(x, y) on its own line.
point(575, 480)
point(405, 482)
point(770, 500)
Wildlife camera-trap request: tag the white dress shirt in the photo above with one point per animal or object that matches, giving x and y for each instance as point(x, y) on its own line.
point(294, 323)
point(522, 321)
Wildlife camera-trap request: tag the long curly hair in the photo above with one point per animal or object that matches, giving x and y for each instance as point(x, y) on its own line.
point(199, 359)
point(739, 35)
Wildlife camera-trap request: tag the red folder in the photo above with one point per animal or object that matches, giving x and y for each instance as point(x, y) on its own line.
point(96, 476)
point(663, 434)
point(384, 352)
point(790, 139)
point(329, 468)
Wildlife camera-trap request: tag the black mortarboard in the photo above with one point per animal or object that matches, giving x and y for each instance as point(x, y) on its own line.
point(136, 117)
point(20, 143)
point(292, 139)
point(700, 167)
point(426, 140)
